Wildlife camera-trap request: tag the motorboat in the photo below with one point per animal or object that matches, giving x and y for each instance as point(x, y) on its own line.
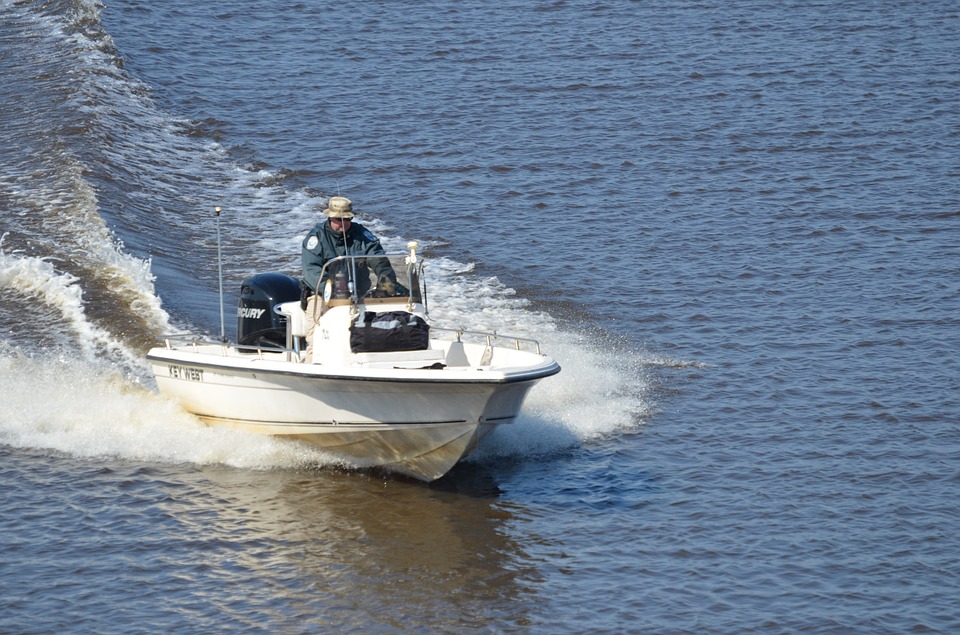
point(376, 384)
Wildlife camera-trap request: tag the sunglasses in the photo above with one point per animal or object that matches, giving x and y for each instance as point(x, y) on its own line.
point(339, 220)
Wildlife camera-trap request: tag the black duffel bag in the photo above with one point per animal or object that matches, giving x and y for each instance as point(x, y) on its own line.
point(389, 331)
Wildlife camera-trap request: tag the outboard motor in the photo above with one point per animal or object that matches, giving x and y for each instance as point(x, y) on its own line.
point(257, 323)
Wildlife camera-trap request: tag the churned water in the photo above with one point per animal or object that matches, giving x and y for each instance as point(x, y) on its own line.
point(736, 225)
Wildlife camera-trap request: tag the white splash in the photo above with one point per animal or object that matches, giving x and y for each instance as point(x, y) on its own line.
point(90, 410)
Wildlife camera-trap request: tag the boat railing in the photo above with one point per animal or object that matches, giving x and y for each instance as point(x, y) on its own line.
point(489, 336)
point(195, 342)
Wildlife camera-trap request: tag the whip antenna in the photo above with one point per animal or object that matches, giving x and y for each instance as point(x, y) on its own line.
point(223, 337)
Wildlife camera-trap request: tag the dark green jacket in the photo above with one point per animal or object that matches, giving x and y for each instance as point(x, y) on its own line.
point(323, 244)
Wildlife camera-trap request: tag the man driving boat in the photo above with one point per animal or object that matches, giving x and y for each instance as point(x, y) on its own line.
point(335, 236)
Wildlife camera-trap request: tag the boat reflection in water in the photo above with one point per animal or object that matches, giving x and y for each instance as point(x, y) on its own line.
point(380, 386)
point(340, 551)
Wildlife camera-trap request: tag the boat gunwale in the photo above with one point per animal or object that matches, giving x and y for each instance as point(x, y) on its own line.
point(317, 371)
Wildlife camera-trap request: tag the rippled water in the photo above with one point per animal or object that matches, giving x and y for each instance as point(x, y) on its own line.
point(734, 224)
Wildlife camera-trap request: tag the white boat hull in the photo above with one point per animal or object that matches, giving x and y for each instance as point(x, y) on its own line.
point(374, 386)
point(414, 421)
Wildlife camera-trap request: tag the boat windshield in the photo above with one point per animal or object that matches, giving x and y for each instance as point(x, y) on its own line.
point(386, 276)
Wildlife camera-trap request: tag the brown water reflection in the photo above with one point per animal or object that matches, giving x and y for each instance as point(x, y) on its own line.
point(348, 551)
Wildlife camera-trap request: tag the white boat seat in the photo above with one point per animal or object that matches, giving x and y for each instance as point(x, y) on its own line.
point(398, 359)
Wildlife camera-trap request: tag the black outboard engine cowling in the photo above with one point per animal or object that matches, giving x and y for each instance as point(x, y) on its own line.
point(257, 323)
